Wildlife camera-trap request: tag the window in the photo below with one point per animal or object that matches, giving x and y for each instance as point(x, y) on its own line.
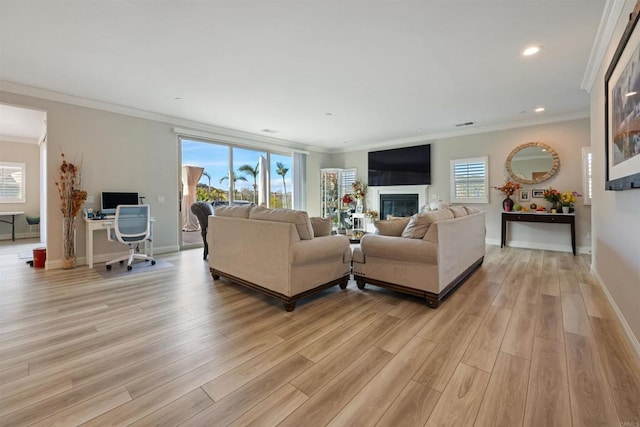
point(12, 182)
point(587, 175)
point(469, 180)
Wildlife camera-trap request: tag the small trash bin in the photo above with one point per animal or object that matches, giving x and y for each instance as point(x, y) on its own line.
point(39, 257)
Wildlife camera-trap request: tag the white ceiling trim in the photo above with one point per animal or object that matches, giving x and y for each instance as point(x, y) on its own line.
point(142, 114)
point(19, 139)
point(610, 16)
point(425, 138)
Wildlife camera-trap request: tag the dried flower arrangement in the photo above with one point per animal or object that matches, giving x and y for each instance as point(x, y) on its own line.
point(71, 201)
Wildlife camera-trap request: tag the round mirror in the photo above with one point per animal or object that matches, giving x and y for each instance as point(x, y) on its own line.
point(532, 163)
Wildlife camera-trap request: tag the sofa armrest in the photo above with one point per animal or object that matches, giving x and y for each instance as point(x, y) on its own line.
point(320, 248)
point(399, 248)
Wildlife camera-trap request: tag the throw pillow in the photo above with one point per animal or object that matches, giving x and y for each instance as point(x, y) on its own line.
point(471, 210)
point(321, 226)
point(420, 223)
point(299, 218)
point(392, 227)
point(458, 211)
point(233, 211)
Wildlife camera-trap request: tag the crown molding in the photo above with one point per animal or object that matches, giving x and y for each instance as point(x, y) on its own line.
point(19, 139)
point(425, 138)
point(608, 21)
point(210, 130)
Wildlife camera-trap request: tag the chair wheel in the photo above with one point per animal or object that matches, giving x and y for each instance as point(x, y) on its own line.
point(129, 268)
point(153, 262)
point(108, 266)
point(121, 262)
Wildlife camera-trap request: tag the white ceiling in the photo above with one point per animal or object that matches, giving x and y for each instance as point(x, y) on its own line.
point(387, 71)
point(21, 124)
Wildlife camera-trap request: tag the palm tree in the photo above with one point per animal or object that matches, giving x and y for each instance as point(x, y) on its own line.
point(282, 171)
point(205, 173)
point(235, 177)
point(254, 173)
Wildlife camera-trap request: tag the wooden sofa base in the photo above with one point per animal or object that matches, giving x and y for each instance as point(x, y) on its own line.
point(288, 302)
point(433, 300)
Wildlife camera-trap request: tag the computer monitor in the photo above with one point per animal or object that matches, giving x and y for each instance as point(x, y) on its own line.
point(110, 200)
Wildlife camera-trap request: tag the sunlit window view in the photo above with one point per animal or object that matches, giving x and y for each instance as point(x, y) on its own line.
point(256, 177)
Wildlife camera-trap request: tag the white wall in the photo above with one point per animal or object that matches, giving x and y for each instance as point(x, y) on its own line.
point(616, 214)
point(18, 152)
point(567, 138)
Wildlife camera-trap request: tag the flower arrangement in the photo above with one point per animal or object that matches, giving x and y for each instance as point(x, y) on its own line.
point(372, 215)
point(359, 189)
point(552, 195)
point(508, 188)
point(71, 201)
point(569, 198)
point(347, 199)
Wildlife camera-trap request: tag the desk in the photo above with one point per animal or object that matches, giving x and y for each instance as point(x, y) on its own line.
point(13, 222)
point(548, 218)
point(107, 224)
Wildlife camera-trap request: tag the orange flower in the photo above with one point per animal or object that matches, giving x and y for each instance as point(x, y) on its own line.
point(509, 188)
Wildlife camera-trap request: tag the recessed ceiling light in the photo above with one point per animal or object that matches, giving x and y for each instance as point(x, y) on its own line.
point(631, 93)
point(539, 110)
point(531, 50)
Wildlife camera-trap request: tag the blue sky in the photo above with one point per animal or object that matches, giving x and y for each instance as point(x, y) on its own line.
point(215, 159)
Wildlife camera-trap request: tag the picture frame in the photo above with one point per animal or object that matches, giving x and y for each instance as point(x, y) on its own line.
point(622, 111)
point(359, 209)
point(524, 195)
point(537, 194)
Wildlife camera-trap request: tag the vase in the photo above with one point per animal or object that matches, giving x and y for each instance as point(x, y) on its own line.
point(68, 242)
point(565, 209)
point(507, 204)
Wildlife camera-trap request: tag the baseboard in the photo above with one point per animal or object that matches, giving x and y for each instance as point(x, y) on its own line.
point(541, 246)
point(157, 250)
point(20, 236)
point(633, 340)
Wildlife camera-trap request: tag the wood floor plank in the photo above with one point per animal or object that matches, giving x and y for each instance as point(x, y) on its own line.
point(549, 318)
point(518, 339)
point(568, 281)
point(591, 404)
point(178, 411)
point(370, 404)
point(484, 346)
point(482, 298)
point(550, 282)
point(399, 336)
point(248, 396)
point(273, 409)
point(328, 401)
point(442, 362)
point(461, 399)
point(504, 401)
point(548, 392)
point(596, 301)
point(574, 314)
point(413, 407)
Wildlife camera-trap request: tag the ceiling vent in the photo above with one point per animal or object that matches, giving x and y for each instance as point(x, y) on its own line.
point(270, 130)
point(460, 125)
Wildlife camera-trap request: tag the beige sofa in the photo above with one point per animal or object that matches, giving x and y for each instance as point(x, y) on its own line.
point(430, 266)
point(276, 252)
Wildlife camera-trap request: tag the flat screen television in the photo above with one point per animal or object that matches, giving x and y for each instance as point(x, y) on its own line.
point(110, 200)
point(400, 166)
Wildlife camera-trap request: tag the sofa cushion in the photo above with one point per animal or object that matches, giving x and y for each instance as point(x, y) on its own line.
point(458, 211)
point(241, 211)
point(471, 210)
point(299, 218)
point(392, 227)
point(419, 223)
point(321, 226)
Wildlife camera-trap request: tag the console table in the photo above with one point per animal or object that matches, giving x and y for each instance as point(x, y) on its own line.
point(12, 222)
point(544, 217)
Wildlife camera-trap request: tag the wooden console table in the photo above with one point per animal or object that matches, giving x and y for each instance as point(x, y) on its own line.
point(548, 218)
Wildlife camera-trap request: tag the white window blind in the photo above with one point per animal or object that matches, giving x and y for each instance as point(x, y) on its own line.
point(469, 180)
point(587, 174)
point(12, 182)
point(348, 178)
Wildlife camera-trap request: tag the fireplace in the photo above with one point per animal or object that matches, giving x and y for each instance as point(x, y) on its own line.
point(398, 205)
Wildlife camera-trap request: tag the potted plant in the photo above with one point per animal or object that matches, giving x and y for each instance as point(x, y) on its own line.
point(71, 201)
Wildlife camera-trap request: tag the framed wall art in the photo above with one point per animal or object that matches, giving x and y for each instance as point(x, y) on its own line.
point(524, 196)
point(537, 194)
point(622, 111)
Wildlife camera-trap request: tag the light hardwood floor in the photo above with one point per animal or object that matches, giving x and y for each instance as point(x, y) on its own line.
point(528, 340)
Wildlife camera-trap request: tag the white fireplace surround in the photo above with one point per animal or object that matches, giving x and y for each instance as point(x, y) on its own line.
point(373, 196)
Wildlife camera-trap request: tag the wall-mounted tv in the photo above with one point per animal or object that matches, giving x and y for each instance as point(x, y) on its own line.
point(400, 166)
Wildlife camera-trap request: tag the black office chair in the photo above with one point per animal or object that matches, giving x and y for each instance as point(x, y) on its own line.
point(202, 210)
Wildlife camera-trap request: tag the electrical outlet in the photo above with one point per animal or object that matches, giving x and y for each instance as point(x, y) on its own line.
point(160, 199)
